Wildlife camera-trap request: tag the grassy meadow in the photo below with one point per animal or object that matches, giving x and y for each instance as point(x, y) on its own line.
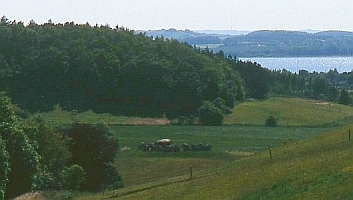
point(229, 143)
point(320, 167)
point(289, 112)
point(311, 155)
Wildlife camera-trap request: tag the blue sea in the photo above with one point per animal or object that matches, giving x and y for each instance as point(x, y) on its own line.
point(311, 64)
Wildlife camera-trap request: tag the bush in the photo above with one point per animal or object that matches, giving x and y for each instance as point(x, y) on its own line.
point(73, 177)
point(271, 121)
point(209, 114)
point(46, 180)
point(184, 120)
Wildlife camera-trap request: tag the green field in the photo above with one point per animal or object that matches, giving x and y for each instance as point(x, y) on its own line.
point(290, 112)
point(318, 167)
point(311, 155)
point(229, 143)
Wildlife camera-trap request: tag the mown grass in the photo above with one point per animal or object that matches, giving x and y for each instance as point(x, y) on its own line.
point(320, 167)
point(229, 143)
point(289, 112)
point(144, 171)
point(238, 167)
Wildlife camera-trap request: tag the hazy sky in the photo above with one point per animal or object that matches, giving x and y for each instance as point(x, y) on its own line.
point(188, 14)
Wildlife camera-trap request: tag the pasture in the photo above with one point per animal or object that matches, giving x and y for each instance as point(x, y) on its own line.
point(238, 166)
point(290, 112)
point(229, 143)
point(316, 165)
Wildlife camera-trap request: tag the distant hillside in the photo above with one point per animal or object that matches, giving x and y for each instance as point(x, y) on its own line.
point(289, 43)
point(266, 43)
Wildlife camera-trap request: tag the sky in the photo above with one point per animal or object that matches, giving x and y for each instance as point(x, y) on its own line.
point(188, 14)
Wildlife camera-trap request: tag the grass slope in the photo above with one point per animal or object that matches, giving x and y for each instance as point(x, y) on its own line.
point(289, 112)
point(299, 169)
point(138, 167)
point(317, 168)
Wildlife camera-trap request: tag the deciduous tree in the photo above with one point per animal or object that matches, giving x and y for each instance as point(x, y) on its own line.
point(24, 160)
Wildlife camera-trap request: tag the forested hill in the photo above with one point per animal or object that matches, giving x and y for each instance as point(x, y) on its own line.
point(269, 43)
point(80, 67)
point(290, 43)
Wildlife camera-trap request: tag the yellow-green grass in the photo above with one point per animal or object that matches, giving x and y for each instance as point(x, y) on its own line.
point(289, 112)
point(59, 116)
point(320, 167)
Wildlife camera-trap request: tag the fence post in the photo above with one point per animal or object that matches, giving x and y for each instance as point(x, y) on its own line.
point(270, 153)
point(190, 172)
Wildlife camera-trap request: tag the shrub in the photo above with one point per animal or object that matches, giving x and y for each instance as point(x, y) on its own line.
point(73, 177)
point(271, 121)
point(46, 180)
point(209, 114)
point(184, 120)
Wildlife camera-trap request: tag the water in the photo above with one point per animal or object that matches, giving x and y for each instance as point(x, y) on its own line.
point(311, 64)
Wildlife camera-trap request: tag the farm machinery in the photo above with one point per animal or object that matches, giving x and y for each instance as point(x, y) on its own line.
point(166, 145)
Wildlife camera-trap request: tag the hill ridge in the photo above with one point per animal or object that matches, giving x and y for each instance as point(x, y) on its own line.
point(266, 43)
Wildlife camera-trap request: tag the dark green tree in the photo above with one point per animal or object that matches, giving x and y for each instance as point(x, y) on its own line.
point(255, 77)
point(24, 160)
point(344, 97)
point(94, 149)
point(333, 93)
point(54, 152)
point(4, 169)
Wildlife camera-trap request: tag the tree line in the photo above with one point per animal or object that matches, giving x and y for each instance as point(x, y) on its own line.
point(289, 43)
point(80, 66)
point(267, 43)
point(330, 86)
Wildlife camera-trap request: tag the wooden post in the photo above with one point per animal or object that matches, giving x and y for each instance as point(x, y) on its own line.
point(271, 153)
point(190, 172)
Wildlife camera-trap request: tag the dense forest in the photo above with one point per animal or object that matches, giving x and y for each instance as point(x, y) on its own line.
point(109, 70)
